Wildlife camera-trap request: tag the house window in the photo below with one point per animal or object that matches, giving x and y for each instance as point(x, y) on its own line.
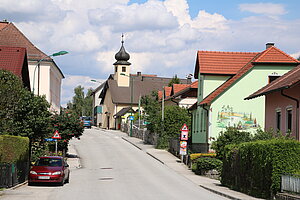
point(273, 78)
point(123, 69)
point(289, 117)
point(278, 120)
point(116, 69)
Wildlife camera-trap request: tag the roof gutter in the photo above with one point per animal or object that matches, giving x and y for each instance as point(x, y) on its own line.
point(297, 112)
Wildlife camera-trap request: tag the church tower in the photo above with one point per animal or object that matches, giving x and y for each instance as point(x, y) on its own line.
point(122, 67)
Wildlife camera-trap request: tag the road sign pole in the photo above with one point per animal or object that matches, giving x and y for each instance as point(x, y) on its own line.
point(55, 147)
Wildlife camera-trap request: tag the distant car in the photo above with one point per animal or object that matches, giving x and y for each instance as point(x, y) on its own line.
point(86, 121)
point(49, 169)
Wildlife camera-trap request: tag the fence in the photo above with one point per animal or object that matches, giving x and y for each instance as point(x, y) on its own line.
point(143, 133)
point(290, 183)
point(13, 174)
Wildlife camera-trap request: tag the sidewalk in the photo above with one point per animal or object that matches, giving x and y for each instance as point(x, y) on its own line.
point(175, 164)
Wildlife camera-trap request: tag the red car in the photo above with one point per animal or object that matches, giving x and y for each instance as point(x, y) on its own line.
point(49, 169)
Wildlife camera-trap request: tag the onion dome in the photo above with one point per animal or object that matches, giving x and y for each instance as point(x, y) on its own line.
point(122, 56)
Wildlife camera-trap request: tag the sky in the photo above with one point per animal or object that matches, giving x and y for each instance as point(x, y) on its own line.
point(161, 36)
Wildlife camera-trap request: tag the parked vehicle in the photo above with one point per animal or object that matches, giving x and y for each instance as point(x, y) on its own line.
point(49, 169)
point(86, 121)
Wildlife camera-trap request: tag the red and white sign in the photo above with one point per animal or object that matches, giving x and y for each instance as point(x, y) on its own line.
point(184, 135)
point(183, 147)
point(56, 135)
point(184, 128)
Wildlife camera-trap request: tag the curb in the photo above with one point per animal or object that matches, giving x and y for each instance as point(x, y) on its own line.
point(132, 143)
point(220, 193)
point(13, 188)
point(142, 150)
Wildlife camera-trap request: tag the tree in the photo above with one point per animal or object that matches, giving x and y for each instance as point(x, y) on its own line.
point(78, 101)
point(81, 105)
point(88, 103)
point(68, 125)
point(174, 80)
point(174, 118)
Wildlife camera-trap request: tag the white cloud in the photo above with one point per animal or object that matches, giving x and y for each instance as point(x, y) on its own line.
point(70, 82)
point(160, 36)
point(269, 9)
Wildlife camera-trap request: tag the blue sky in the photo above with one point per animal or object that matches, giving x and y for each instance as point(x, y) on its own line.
point(161, 36)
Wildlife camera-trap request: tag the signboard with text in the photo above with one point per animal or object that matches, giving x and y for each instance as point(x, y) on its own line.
point(183, 147)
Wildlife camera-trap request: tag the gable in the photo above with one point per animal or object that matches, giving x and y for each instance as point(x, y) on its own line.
point(10, 35)
point(274, 55)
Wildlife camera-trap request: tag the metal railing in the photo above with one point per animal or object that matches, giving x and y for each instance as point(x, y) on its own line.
point(290, 183)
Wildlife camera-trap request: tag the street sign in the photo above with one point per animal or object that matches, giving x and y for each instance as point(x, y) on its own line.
point(184, 135)
point(184, 128)
point(183, 147)
point(131, 117)
point(56, 135)
point(50, 139)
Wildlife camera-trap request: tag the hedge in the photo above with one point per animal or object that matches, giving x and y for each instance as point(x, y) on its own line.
point(255, 167)
point(13, 148)
point(195, 156)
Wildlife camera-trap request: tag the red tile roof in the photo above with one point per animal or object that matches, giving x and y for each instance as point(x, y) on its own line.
point(168, 91)
point(193, 85)
point(274, 55)
point(266, 56)
point(10, 35)
point(216, 62)
point(179, 87)
point(286, 81)
point(12, 59)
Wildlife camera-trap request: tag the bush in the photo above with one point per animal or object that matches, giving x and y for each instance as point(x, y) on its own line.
point(231, 136)
point(204, 164)
point(13, 149)
point(255, 167)
point(194, 156)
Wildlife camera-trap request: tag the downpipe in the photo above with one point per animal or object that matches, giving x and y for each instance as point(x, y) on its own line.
point(297, 112)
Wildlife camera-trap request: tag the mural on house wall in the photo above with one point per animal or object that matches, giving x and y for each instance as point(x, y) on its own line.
point(227, 117)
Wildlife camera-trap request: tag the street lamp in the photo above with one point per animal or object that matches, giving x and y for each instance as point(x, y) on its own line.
point(60, 53)
point(131, 100)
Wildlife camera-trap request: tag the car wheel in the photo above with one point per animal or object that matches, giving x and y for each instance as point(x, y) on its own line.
point(68, 179)
point(61, 183)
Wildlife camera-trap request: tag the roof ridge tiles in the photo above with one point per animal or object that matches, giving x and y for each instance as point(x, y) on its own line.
point(265, 52)
point(228, 52)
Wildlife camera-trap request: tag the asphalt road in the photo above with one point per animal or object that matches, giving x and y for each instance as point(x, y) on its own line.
point(113, 169)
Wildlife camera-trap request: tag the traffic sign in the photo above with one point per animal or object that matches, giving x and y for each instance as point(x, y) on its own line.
point(49, 139)
point(56, 135)
point(131, 117)
point(183, 147)
point(184, 135)
point(184, 128)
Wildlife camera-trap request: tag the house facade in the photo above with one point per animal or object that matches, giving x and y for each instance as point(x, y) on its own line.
point(46, 78)
point(182, 95)
point(123, 90)
point(282, 103)
point(221, 101)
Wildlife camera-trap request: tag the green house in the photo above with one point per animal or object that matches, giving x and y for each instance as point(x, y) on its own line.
point(225, 79)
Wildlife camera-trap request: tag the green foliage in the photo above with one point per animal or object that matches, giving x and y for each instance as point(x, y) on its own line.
point(174, 119)
point(82, 105)
point(231, 136)
point(174, 80)
point(255, 167)
point(68, 125)
point(203, 164)
point(13, 148)
point(152, 110)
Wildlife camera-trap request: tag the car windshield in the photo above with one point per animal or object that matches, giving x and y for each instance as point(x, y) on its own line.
point(51, 162)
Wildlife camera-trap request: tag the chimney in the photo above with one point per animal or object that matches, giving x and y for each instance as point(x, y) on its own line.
point(269, 44)
point(139, 73)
